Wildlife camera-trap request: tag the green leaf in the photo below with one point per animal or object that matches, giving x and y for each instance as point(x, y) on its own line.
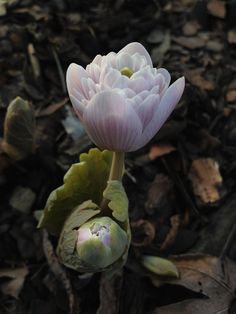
point(19, 129)
point(118, 200)
point(84, 181)
point(160, 266)
point(68, 236)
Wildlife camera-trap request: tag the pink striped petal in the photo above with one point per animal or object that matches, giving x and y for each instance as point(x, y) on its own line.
point(162, 112)
point(146, 109)
point(165, 74)
point(136, 47)
point(111, 123)
point(74, 76)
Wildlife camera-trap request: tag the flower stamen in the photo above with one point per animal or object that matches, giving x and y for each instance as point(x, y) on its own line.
point(127, 72)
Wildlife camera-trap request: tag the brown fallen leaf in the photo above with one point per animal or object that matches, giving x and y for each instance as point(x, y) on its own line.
point(190, 42)
point(159, 193)
point(155, 152)
point(16, 280)
point(143, 233)
point(231, 95)
point(171, 236)
point(160, 150)
point(199, 81)
point(191, 28)
point(217, 8)
point(213, 278)
point(206, 178)
point(231, 36)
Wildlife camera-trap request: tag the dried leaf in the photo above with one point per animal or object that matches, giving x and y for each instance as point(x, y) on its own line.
point(16, 280)
point(191, 28)
point(213, 278)
point(171, 236)
point(158, 193)
point(160, 150)
point(205, 177)
point(143, 233)
point(190, 42)
point(231, 95)
point(232, 37)
point(217, 8)
point(197, 80)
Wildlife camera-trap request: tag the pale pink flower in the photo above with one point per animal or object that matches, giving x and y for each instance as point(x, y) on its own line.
point(121, 99)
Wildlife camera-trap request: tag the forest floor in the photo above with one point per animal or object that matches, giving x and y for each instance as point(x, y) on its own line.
point(181, 186)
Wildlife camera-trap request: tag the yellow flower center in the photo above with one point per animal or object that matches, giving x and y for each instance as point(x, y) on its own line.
point(127, 71)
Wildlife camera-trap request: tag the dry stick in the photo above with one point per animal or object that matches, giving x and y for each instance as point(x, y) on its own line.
point(59, 272)
point(110, 293)
point(34, 61)
point(228, 243)
point(60, 71)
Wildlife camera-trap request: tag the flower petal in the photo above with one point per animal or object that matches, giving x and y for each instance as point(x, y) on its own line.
point(78, 106)
point(146, 109)
point(136, 47)
point(170, 99)
point(74, 75)
point(165, 74)
point(124, 60)
point(162, 112)
point(111, 123)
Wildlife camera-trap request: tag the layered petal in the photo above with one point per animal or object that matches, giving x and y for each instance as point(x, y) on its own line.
point(121, 111)
point(136, 47)
point(111, 123)
point(74, 77)
point(162, 112)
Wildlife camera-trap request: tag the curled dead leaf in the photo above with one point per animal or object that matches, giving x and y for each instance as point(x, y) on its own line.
point(199, 81)
point(206, 178)
point(212, 278)
point(217, 8)
point(143, 233)
point(171, 236)
point(159, 193)
point(16, 280)
point(231, 95)
point(160, 150)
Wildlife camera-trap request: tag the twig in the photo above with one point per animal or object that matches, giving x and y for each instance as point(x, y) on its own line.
point(60, 71)
point(59, 272)
point(228, 243)
point(34, 61)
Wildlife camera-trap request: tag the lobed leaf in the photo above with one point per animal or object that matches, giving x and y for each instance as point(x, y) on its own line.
point(84, 181)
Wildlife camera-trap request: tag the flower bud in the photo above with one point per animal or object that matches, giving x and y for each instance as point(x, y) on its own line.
point(100, 242)
point(94, 246)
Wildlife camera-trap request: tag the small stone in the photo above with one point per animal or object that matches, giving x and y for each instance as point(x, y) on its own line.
point(22, 199)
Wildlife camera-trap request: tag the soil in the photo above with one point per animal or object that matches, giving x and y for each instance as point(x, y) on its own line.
point(181, 186)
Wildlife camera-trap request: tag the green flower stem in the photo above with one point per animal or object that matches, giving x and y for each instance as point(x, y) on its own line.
point(117, 166)
point(116, 173)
